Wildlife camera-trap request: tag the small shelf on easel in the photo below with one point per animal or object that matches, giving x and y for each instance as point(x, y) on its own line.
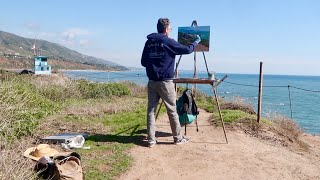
point(194, 81)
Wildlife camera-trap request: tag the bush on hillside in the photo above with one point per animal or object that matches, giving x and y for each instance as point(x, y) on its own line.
point(286, 127)
point(136, 90)
point(101, 90)
point(238, 103)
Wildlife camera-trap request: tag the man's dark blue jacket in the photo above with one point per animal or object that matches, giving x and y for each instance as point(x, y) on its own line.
point(159, 56)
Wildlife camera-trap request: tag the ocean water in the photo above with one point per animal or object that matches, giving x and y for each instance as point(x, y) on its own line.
point(304, 92)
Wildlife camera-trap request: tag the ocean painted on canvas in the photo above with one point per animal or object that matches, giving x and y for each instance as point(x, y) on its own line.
point(187, 35)
point(304, 91)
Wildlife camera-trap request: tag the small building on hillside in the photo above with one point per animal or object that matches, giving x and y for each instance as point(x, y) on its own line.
point(41, 66)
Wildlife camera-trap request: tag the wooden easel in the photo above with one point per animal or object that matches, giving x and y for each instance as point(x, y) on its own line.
point(211, 81)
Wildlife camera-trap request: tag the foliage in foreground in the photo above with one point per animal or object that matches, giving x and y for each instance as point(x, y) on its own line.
point(21, 108)
point(26, 101)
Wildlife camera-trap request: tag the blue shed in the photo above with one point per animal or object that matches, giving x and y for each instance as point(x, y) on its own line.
point(41, 66)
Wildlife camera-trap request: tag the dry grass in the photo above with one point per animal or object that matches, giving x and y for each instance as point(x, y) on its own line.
point(136, 90)
point(280, 131)
point(286, 127)
point(276, 129)
point(238, 103)
point(18, 104)
point(12, 163)
point(56, 87)
point(289, 131)
point(99, 107)
point(41, 81)
point(248, 125)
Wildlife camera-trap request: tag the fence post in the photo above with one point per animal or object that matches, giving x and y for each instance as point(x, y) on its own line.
point(260, 94)
point(108, 76)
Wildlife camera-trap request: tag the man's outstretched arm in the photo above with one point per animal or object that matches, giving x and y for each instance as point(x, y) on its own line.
point(179, 49)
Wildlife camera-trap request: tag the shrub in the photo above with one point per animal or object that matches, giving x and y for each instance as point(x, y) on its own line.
point(21, 107)
point(136, 90)
point(238, 103)
point(101, 90)
point(286, 127)
point(205, 102)
point(59, 93)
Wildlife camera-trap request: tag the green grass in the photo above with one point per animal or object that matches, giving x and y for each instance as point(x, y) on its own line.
point(105, 161)
point(22, 107)
point(102, 90)
point(266, 121)
point(231, 116)
point(206, 103)
point(120, 123)
point(108, 156)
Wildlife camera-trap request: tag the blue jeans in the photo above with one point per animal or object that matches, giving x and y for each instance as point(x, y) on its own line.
point(166, 91)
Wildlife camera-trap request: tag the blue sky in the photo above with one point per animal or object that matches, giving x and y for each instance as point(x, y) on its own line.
point(284, 34)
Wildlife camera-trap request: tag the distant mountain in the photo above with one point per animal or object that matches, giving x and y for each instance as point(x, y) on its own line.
point(13, 46)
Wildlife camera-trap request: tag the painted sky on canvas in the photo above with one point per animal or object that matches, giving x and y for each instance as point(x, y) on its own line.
point(285, 35)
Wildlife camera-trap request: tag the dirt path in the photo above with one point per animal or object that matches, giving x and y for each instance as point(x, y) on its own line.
point(207, 156)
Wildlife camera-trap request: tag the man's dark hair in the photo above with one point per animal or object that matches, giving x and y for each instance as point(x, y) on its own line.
point(163, 23)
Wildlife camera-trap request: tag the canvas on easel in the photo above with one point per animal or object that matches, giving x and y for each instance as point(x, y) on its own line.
point(187, 35)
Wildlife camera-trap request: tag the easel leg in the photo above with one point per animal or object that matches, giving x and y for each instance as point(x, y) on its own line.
point(205, 61)
point(197, 123)
point(195, 74)
point(159, 109)
point(176, 70)
point(218, 105)
point(185, 125)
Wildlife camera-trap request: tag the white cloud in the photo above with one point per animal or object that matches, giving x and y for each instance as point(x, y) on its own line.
point(84, 42)
point(48, 35)
point(32, 26)
point(74, 38)
point(72, 33)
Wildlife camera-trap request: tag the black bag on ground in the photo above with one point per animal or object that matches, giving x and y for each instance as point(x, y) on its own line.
point(187, 108)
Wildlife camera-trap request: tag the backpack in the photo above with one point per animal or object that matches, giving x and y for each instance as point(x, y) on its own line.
point(68, 166)
point(187, 108)
point(63, 166)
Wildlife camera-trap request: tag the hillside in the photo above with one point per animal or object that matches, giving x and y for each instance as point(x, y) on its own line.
point(114, 117)
point(15, 48)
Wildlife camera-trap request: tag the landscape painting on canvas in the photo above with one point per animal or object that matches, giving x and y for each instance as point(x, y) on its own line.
point(187, 35)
